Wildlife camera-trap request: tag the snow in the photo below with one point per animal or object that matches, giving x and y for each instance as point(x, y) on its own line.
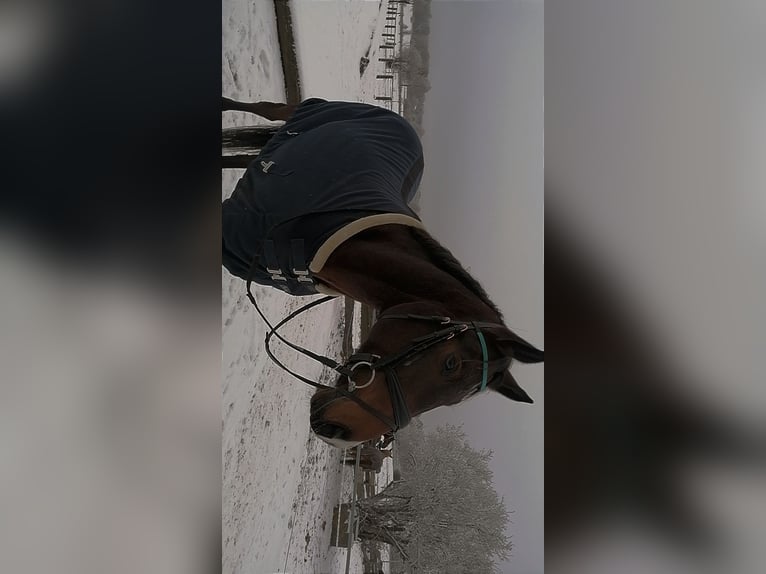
point(331, 38)
point(280, 483)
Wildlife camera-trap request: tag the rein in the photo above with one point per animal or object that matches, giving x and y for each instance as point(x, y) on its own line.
point(401, 413)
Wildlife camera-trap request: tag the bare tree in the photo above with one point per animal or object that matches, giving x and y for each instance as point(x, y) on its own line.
point(445, 516)
point(416, 74)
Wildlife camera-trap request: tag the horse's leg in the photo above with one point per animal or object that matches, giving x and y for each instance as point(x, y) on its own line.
point(269, 110)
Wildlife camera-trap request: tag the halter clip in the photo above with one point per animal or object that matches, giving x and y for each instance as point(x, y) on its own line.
point(456, 331)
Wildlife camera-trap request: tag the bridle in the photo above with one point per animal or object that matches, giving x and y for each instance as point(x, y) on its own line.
point(401, 413)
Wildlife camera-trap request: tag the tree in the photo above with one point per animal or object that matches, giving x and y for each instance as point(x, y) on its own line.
point(415, 74)
point(445, 515)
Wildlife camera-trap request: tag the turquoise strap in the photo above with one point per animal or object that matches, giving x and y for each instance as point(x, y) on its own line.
point(485, 360)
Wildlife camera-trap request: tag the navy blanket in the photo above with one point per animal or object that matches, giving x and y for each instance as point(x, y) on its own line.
point(330, 165)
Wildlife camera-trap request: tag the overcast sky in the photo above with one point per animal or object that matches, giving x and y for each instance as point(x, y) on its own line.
point(483, 199)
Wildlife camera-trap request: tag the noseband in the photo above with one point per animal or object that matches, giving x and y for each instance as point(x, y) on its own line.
point(401, 413)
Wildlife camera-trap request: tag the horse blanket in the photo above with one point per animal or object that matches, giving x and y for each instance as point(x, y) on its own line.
point(333, 170)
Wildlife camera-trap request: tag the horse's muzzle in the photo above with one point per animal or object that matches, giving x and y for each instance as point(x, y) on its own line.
point(330, 430)
point(326, 429)
point(333, 434)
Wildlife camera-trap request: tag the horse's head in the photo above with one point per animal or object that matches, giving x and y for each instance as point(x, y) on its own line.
point(413, 361)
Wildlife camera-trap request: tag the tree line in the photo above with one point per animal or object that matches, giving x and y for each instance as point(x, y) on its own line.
point(444, 515)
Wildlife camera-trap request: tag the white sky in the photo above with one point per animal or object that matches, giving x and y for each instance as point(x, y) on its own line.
point(483, 199)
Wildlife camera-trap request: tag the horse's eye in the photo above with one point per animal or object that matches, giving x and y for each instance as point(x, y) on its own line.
point(451, 363)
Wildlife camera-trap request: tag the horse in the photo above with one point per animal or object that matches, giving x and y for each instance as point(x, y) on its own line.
point(324, 208)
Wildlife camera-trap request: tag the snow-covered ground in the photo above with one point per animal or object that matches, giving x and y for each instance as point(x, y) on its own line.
point(280, 483)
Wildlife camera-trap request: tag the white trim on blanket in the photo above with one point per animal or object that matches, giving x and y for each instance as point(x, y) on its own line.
point(348, 231)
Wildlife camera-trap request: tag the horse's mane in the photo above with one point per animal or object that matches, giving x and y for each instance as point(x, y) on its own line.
point(444, 260)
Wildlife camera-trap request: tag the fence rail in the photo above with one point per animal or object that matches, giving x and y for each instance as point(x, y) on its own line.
point(390, 91)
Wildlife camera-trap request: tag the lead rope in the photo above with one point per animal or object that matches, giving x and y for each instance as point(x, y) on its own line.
point(324, 360)
point(273, 331)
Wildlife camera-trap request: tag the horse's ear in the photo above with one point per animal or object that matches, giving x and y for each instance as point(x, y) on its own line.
point(511, 345)
point(526, 353)
point(508, 387)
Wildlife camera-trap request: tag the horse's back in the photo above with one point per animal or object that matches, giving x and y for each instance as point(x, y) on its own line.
point(330, 164)
point(330, 131)
point(335, 156)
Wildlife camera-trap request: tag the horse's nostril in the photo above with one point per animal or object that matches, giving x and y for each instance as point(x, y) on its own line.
point(330, 430)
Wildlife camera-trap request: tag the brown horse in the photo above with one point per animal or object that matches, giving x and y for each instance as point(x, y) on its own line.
point(438, 339)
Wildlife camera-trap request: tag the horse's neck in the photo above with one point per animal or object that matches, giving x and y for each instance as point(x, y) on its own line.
point(387, 266)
